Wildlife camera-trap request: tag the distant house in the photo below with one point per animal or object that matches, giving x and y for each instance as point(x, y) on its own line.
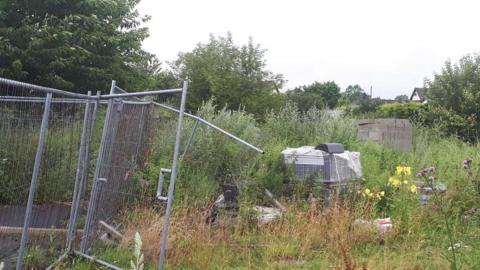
point(419, 95)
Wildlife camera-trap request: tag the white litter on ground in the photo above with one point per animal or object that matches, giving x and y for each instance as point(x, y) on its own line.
point(381, 224)
point(267, 214)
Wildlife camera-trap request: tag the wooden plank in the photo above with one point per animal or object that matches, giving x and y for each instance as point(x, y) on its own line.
point(110, 229)
point(275, 202)
point(34, 231)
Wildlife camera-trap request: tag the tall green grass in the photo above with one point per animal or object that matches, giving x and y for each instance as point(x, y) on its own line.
point(421, 234)
point(214, 159)
point(18, 145)
point(306, 233)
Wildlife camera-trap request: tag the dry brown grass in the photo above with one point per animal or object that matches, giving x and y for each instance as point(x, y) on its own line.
point(302, 234)
point(305, 237)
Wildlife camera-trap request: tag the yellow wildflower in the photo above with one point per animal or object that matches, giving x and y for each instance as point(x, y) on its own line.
point(394, 181)
point(391, 179)
point(404, 170)
point(413, 188)
point(382, 193)
point(367, 191)
point(405, 182)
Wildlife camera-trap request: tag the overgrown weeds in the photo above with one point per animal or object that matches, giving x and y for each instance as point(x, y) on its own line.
point(298, 235)
point(306, 236)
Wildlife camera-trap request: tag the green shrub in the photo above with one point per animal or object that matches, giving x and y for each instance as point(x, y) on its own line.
point(450, 123)
point(413, 111)
point(409, 110)
point(214, 159)
point(35, 258)
point(366, 107)
point(453, 98)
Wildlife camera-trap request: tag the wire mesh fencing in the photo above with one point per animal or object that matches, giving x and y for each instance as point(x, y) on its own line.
point(67, 163)
point(126, 150)
point(39, 145)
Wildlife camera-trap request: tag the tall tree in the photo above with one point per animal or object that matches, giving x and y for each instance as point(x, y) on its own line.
point(353, 95)
point(305, 100)
point(75, 45)
point(329, 91)
point(235, 76)
point(318, 94)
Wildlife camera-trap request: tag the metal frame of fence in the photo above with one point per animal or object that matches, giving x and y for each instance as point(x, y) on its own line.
point(114, 101)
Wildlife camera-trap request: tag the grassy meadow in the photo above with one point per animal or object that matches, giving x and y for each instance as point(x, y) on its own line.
point(306, 236)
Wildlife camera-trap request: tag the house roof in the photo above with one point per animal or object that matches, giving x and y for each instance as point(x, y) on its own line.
point(420, 92)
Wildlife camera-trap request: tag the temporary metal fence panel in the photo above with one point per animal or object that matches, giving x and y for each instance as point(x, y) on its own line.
point(52, 194)
point(125, 149)
point(39, 146)
point(81, 178)
point(46, 138)
point(17, 158)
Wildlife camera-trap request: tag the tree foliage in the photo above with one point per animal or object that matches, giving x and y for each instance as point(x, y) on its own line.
point(318, 94)
point(367, 107)
point(402, 98)
point(329, 91)
point(305, 100)
point(454, 98)
point(353, 95)
point(75, 45)
point(235, 76)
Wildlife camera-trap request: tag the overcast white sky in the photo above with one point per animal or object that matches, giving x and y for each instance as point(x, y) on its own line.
point(389, 45)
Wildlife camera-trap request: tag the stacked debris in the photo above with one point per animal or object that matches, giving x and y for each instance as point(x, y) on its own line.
point(335, 170)
point(226, 207)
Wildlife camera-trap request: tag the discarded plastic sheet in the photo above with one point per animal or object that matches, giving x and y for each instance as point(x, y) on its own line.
point(457, 246)
point(382, 225)
point(267, 214)
point(220, 202)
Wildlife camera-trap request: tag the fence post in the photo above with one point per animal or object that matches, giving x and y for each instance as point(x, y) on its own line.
point(96, 178)
point(190, 140)
point(33, 183)
point(141, 127)
point(82, 169)
point(173, 176)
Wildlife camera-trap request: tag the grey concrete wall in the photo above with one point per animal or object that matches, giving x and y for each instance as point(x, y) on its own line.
point(391, 133)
